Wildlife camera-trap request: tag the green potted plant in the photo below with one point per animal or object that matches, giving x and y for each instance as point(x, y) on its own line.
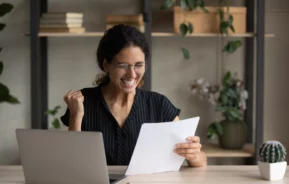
point(5, 95)
point(194, 16)
point(229, 99)
point(272, 165)
point(52, 112)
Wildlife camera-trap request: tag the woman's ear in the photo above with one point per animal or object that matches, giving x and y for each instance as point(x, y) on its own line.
point(105, 66)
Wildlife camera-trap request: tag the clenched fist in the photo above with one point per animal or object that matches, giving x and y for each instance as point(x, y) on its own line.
point(74, 101)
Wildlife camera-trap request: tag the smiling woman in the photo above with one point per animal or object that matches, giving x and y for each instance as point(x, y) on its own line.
point(117, 107)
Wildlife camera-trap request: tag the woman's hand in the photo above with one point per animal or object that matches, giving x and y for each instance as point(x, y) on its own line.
point(192, 151)
point(74, 101)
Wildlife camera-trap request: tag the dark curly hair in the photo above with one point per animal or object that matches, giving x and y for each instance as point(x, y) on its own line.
point(114, 40)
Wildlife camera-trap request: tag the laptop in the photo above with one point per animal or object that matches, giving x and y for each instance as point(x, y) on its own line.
point(63, 157)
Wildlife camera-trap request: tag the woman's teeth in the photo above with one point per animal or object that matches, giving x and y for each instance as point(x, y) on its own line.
point(129, 82)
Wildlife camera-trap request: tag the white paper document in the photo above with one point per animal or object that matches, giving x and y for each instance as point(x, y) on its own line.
point(154, 148)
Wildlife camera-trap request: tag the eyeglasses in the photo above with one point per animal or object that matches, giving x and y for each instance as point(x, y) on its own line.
point(123, 68)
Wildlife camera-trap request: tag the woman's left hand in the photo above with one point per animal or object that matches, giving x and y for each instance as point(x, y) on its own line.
point(190, 150)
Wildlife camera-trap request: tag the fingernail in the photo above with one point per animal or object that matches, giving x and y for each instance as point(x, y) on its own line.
point(177, 145)
point(175, 150)
point(188, 138)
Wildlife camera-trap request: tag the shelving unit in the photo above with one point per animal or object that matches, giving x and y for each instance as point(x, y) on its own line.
point(214, 150)
point(155, 34)
point(255, 13)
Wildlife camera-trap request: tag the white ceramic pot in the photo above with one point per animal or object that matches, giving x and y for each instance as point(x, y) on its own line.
point(272, 171)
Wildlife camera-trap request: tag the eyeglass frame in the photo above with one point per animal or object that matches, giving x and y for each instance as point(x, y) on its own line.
point(128, 66)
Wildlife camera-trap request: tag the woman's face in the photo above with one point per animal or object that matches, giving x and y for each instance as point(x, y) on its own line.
point(127, 69)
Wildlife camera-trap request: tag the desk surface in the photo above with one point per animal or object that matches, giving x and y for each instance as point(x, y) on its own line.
point(205, 175)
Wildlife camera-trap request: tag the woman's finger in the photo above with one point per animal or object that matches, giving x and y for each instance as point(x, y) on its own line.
point(193, 138)
point(189, 145)
point(181, 151)
point(188, 156)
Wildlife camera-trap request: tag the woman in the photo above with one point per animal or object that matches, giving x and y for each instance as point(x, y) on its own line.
point(117, 107)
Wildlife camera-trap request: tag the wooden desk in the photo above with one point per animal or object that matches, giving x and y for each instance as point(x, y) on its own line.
point(205, 175)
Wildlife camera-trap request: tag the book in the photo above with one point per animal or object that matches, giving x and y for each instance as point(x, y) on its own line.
point(141, 28)
point(61, 21)
point(62, 30)
point(62, 15)
point(125, 19)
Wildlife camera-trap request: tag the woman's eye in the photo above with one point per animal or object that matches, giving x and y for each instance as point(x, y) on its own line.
point(122, 66)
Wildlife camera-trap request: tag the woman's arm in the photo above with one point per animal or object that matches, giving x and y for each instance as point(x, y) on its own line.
point(75, 123)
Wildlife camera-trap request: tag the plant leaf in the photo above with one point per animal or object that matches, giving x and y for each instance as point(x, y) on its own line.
point(56, 123)
point(190, 28)
point(220, 108)
point(226, 78)
point(234, 114)
point(238, 43)
point(232, 46)
point(202, 7)
point(57, 108)
point(167, 4)
point(230, 20)
point(2, 26)
point(224, 27)
point(232, 93)
point(4, 91)
point(5, 96)
point(183, 4)
point(224, 99)
point(221, 14)
point(211, 132)
point(186, 53)
point(219, 128)
point(1, 67)
point(5, 8)
point(183, 29)
point(232, 28)
point(192, 4)
point(13, 100)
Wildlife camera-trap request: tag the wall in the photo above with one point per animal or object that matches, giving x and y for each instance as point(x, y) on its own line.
point(16, 75)
point(72, 66)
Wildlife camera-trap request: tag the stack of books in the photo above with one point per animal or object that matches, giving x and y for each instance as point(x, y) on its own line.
point(66, 22)
point(131, 20)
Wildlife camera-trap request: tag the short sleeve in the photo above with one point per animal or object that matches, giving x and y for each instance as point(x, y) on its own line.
point(65, 118)
point(169, 110)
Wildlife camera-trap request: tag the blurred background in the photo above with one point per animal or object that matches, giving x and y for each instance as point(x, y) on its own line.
point(72, 65)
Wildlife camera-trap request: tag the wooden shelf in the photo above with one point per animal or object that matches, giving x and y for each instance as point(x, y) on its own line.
point(167, 34)
point(154, 34)
point(213, 150)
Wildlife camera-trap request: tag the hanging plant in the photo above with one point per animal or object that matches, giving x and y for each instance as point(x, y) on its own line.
point(225, 26)
point(52, 112)
point(5, 95)
point(186, 26)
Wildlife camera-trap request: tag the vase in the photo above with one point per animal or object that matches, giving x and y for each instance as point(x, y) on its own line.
point(234, 134)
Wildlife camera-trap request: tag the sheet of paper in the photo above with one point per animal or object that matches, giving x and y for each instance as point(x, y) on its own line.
point(154, 148)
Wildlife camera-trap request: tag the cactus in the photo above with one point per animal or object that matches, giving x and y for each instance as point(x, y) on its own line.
point(272, 152)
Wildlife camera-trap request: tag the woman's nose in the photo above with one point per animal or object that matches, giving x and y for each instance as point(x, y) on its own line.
point(131, 71)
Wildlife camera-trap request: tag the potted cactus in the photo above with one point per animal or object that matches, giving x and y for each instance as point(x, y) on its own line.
point(272, 165)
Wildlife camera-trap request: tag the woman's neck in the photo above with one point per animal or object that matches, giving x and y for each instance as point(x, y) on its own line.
point(115, 96)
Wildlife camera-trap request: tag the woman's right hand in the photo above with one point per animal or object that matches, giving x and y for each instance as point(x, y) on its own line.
point(74, 101)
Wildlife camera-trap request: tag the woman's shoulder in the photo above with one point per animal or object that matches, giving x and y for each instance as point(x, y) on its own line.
point(91, 91)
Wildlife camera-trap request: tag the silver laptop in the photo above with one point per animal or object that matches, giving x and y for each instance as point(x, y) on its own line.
point(63, 157)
